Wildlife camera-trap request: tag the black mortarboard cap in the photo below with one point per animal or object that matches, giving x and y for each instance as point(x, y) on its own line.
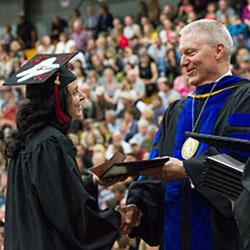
point(41, 69)
point(221, 141)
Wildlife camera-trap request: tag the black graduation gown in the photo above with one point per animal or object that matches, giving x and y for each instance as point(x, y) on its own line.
point(242, 208)
point(48, 204)
point(148, 196)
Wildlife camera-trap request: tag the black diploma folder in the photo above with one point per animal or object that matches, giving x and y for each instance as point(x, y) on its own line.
point(133, 168)
point(116, 167)
point(222, 174)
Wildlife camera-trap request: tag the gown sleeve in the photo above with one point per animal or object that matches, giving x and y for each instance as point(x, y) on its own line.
point(64, 201)
point(241, 208)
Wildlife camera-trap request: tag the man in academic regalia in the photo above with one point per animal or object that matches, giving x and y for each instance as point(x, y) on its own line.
point(178, 213)
point(48, 204)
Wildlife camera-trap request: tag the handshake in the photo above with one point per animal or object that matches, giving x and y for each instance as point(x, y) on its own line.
point(130, 217)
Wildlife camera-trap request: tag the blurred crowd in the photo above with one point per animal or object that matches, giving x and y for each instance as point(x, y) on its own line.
point(129, 70)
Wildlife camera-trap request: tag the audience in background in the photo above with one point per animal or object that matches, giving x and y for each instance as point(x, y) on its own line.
point(128, 68)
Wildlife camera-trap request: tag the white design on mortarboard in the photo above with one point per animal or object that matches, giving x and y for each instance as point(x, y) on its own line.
point(39, 69)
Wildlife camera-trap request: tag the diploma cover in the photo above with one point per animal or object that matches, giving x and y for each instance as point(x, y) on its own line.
point(117, 167)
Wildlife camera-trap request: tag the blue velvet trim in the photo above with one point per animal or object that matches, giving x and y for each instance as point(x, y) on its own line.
point(153, 153)
point(224, 82)
point(172, 218)
point(157, 137)
point(200, 218)
point(237, 119)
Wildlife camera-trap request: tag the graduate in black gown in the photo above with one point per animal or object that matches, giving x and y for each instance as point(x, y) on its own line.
point(48, 204)
point(177, 212)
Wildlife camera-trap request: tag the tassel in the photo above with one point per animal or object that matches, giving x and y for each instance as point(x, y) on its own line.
point(60, 116)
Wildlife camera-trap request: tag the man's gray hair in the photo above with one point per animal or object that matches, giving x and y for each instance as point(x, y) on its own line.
point(213, 33)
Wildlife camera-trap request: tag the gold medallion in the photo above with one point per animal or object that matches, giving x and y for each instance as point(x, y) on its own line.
point(189, 148)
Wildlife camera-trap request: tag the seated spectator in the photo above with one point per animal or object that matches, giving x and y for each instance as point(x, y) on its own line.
point(26, 33)
point(147, 72)
point(80, 35)
point(58, 26)
point(182, 86)
point(104, 133)
point(64, 44)
point(211, 11)
point(110, 85)
point(130, 27)
point(117, 26)
point(140, 136)
point(128, 102)
point(131, 123)
point(75, 15)
point(45, 46)
point(90, 20)
point(80, 75)
point(84, 161)
point(6, 38)
point(111, 61)
point(149, 34)
point(122, 40)
point(184, 7)
point(169, 66)
point(166, 92)
point(138, 152)
point(166, 31)
point(112, 122)
point(245, 13)
point(168, 11)
point(157, 51)
point(8, 111)
point(6, 61)
point(117, 140)
point(92, 80)
point(89, 139)
point(158, 109)
point(97, 64)
point(224, 9)
point(129, 57)
point(135, 83)
point(105, 19)
point(238, 30)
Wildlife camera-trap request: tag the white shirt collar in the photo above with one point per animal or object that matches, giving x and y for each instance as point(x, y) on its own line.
point(228, 73)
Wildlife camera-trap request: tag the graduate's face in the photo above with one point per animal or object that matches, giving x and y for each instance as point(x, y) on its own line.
point(198, 59)
point(74, 101)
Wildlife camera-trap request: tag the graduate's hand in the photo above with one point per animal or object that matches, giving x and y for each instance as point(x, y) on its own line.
point(171, 171)
point(130, 217)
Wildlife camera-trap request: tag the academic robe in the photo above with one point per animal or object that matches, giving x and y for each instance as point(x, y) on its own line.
point(49, 207)
point(242, 208)
point(188, 216)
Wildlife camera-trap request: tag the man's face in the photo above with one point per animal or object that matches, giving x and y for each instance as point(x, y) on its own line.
point(197, 59)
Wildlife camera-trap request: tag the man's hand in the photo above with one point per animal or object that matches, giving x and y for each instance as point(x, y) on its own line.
point(171, 171)
point(130, 217)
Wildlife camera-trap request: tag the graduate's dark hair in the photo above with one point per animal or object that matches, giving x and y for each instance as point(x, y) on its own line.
point(36, 113)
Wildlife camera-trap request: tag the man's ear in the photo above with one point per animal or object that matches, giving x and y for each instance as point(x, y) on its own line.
point(220, 51)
